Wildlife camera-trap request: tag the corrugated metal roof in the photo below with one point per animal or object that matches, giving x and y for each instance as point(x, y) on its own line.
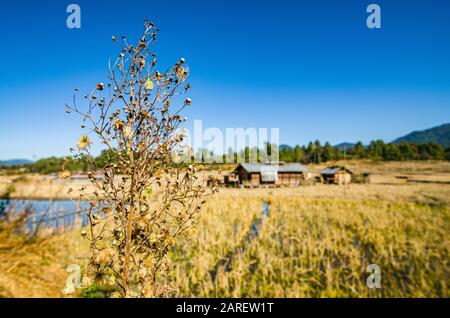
point(264, 168)
point(333, 170)
point(292, 167)
point(269, 176)
point(251, 167)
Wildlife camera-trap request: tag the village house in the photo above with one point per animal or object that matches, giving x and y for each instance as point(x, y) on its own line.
point(257, 174)
point(336, 175)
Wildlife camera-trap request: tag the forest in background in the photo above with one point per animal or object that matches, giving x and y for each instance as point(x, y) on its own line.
point(313, 152)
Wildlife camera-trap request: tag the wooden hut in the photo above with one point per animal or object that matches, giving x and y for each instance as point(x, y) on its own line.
point(336, 175)
point(231, 180)
point(269, 174)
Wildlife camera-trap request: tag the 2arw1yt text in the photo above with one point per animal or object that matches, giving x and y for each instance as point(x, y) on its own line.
point(225, 307)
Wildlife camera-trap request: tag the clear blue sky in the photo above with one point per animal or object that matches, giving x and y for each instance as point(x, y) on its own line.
point(311, 68)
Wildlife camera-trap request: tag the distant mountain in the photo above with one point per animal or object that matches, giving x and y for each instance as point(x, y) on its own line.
point(284, 147)
point(14, 162)
point(437, 135)
point(345, 146)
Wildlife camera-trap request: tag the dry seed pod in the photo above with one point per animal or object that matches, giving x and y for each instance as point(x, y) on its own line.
point(180, 72)
point(65, 174)
point(148, 85)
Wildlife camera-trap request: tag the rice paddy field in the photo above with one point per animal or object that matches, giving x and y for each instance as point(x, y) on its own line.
point(310, 241)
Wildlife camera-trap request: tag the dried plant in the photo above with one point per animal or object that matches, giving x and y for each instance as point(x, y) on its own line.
point(143, 201)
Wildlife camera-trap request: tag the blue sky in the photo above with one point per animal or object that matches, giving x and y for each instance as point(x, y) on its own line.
point(311, 68)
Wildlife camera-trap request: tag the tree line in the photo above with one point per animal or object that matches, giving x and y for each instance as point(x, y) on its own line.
point(313, 152)
point(377, 150)
point(55, 164)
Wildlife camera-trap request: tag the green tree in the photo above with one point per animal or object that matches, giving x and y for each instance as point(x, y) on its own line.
point(299, 154)
point(327, 152)
point(359, 150)
point(317, 151)
point(376, 150)
point(391, 152)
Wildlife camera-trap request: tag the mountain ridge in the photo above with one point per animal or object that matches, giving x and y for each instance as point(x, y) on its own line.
point(14, 162)
point(437, 135)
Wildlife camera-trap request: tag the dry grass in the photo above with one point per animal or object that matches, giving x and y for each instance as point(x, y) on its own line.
point(320, 247)
point(317, 242)
point(37, 268)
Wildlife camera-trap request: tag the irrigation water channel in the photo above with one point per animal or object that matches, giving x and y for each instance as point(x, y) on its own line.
point(53, 214)
point(227, 262)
